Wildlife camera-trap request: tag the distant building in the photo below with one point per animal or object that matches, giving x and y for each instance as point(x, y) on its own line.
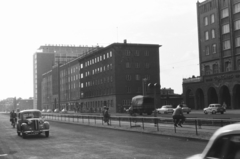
point(7, 104)
point(108, 76)
point(23, 104)
point(167, 91)
point(48, 56)
point(219, 56)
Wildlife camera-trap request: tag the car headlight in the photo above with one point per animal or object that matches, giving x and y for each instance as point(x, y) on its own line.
point(29, 122)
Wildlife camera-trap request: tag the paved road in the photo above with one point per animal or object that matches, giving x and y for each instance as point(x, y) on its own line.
point(80, 141)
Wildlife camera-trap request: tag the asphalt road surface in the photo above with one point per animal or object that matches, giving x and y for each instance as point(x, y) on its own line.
point(70, 141)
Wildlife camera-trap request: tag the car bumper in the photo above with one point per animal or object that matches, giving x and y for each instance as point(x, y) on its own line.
point(35, 132)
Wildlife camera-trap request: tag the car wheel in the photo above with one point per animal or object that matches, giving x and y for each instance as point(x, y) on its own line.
point(24, 135)
point(213, 112)
point(47, 133)
point(187, 112)
point(205, 112)
point(222, 112)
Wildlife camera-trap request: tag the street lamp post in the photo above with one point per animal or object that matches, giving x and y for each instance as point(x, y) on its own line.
point(154, 86)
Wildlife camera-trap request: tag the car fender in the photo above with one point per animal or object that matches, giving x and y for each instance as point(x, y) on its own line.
point(46, 125)
point(23, 126)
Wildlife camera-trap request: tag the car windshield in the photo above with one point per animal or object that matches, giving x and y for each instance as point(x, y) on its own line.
point(28, 115)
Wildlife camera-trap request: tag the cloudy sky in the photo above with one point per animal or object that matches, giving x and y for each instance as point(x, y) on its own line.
point(28, 24)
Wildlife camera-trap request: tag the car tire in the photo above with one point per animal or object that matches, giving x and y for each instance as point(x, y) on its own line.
point(213, 112)
point(187, 112)
point(47, 133)
point(205, 112)
point(24, 135)
point(222, 112)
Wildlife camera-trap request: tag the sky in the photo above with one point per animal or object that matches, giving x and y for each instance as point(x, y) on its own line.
point(28, 24)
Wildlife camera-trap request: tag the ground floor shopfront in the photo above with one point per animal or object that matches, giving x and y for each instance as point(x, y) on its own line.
point(221, 88)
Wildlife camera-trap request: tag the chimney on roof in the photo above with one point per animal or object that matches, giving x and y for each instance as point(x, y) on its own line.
point(125, 41)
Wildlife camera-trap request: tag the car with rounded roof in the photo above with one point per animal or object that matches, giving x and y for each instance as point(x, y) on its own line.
point(165, 109)
point(224, 144)
point(31, 122)
point(214, 108)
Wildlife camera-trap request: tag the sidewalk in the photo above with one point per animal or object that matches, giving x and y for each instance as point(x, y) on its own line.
point(188, 132)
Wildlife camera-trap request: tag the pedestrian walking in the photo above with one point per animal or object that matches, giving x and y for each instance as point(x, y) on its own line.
point(106, 115)
point(178, 116)
point(155, 119)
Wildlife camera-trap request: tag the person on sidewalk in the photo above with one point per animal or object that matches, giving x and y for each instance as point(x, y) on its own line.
point(178, 116)
point(106, 115)
point(155, 119)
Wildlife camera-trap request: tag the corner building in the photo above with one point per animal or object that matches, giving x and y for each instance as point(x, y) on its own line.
point(108, 76)
point(219, 56)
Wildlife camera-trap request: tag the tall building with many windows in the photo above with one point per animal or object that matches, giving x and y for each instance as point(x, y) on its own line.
point(219, 56)
point(108, 76)
point(43, 60)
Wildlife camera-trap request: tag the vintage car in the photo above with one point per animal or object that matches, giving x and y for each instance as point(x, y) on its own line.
point(165, 109)
point(214, 108)
point(30, 122)
point(224, 144)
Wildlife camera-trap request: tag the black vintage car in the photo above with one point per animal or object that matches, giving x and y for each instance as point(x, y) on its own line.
point(30, 122)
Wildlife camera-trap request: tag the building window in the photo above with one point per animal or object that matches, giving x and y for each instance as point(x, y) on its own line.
point(128, 77)
point(237, 41)
point(227, 66)
point(213, 33)
point(110, 53)
point(225, 13)
point(226, 45)
point(146, 53)
point(214, 48)
point(128, 53)
point(238, 64)
point(237, 8)
point(147, 65)
point(137, 65)
point(137, 77)
point(215, 68)
point(207, 50)
point(128, 65)
point(137, 53)
point(128, 89)
point(212, 18)
point(225, 29)
point(205, 21)
point(207, 70)
point(206, 35)
point(237, 25)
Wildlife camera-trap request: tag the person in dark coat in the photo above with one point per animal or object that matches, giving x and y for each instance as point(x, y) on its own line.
point(178, 116)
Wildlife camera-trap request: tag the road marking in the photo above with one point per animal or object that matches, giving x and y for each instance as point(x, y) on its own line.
point(3, 155)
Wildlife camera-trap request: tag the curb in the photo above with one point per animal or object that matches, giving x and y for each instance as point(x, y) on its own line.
point(134, 131)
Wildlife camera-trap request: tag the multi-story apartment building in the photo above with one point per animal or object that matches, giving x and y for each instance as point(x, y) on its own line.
point(219, 56)
point(108, 76)
point(45, 58)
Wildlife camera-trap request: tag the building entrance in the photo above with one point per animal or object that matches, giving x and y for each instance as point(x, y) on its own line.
point(212, 96)
point(236, 96)
point(225, 96)
point(199, 99)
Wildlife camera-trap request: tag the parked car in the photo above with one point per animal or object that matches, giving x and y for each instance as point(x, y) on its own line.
point(224, 143)
point(64, 111)
point(49, 111)
point(185, 109)
point(56, 111)
point(214, 108)
point(31, 122)
point(44, 111)
point(165, 109)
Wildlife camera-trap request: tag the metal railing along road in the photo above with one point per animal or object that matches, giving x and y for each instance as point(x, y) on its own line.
point(196, 125)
